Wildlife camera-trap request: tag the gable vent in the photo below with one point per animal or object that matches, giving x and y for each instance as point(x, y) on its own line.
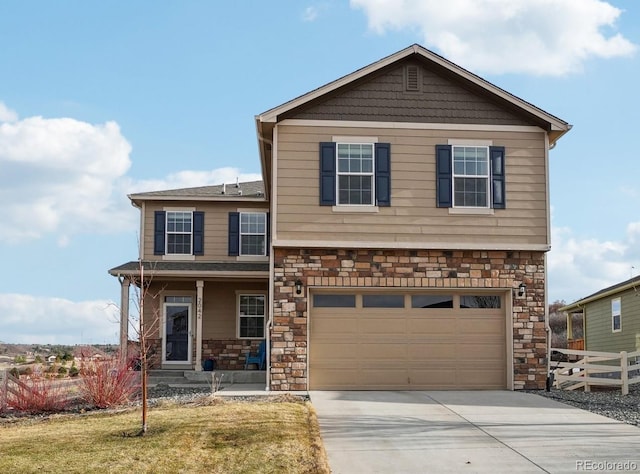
point(412, 82)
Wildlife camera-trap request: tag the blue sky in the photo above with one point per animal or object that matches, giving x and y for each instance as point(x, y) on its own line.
point(101, 99)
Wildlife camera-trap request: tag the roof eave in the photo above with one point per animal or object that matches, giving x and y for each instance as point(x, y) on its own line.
point(598, 296)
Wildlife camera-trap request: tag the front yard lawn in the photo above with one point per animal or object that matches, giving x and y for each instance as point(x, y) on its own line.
point(224, 437)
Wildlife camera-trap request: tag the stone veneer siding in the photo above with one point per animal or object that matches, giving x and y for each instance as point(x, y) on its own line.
point(229, 354)
point(364, 268)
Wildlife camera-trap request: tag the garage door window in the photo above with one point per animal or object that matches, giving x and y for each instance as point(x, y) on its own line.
point(431, 301)
point(480, 302)
point(334, 301)
point(383, 301)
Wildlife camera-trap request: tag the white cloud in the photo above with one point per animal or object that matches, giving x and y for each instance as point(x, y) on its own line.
point(59, 176)
point(310, 14)
point(27, 318)
point(579, 267)
point(62, 176)
point(6, 114)
point(542, 37)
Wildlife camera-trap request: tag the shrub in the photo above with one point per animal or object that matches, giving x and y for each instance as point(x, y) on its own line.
point(109, 383)
point(73, 371)
point(15, 372)
point(62, 370)
point(38, 395)
point(26, 371)
point(20, 359)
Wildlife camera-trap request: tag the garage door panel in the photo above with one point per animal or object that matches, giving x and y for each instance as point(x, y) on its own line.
point(382, 350)
point(431, 350)
point(381, 325)
point(430, 325)
point(335, 325)
point(400, 349)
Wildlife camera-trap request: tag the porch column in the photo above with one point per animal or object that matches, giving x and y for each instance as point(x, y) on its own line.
point(124, 317)
point(199, 287)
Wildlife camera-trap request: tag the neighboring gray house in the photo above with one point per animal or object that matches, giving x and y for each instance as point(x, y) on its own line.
point(611, 318)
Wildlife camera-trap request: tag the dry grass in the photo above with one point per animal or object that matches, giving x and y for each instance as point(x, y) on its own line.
point(229, 437)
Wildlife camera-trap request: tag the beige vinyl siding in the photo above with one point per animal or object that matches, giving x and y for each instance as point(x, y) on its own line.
point(219, 308)
point(413, 216)
point(599, 336)
point(216, 225)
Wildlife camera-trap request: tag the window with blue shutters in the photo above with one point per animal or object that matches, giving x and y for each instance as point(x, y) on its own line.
point(355, 174)
point(178, 232)
point(470, 176)
point(249, 234)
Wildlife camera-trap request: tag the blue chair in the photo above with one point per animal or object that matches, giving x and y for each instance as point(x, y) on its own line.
point(260, 358)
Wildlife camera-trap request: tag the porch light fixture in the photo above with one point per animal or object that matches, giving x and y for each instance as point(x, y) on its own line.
point(298, 287)
point(522, 290)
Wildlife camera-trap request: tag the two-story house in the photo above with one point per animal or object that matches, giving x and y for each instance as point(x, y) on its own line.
point(398, 239)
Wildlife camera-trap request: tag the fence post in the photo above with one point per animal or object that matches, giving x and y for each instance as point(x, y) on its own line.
point(587, 387)
point(624, 373)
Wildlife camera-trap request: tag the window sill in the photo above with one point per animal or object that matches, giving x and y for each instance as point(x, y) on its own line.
point(472, 211)
point(179, 257)
point(355, 209)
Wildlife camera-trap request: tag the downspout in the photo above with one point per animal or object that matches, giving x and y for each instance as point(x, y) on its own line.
point(272, 225)
point(547, 326)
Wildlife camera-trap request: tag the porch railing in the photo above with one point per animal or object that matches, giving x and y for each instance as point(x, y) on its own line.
point(575, 344)
point(595, 369)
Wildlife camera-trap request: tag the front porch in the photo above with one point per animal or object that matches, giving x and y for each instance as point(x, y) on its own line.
point(207, 313)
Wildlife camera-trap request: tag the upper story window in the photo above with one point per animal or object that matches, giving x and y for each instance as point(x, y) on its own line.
point(616, 315)
point(249, 234)
point(470, 176)
point(355, 174)
point(178, 232)
point(253, 233)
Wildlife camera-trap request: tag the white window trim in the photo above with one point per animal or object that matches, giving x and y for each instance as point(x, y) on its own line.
point(372, 174)
point(487, 177)
point(176, 256)
point(240, 234)
point(619, 314)
point(240, 294)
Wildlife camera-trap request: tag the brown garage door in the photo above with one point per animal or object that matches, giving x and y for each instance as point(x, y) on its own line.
point(420, 341)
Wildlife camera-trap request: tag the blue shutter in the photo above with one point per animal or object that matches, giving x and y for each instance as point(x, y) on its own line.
point(496, 153)
point(327, 174)
point(198, 233)
point(234, 234)
point(159, 233)
point(268, 237)
point(383, 174)
point(443, 176)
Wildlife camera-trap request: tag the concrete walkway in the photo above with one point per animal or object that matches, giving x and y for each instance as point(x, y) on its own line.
point(458, 432)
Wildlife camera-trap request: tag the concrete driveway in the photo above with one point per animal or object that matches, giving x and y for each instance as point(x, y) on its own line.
point(465, 431)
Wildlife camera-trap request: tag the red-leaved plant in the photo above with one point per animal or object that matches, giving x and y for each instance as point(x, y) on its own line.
point(37, 394)
point(109, 383)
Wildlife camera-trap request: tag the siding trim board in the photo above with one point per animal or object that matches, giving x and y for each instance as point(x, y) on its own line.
point(412, 125)
point(410, 245)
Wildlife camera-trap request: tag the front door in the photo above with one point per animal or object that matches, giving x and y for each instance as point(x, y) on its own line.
point(177, 332)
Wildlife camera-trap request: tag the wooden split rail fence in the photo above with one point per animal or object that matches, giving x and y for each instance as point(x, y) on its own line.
point(585, 369)
point(8, 384)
